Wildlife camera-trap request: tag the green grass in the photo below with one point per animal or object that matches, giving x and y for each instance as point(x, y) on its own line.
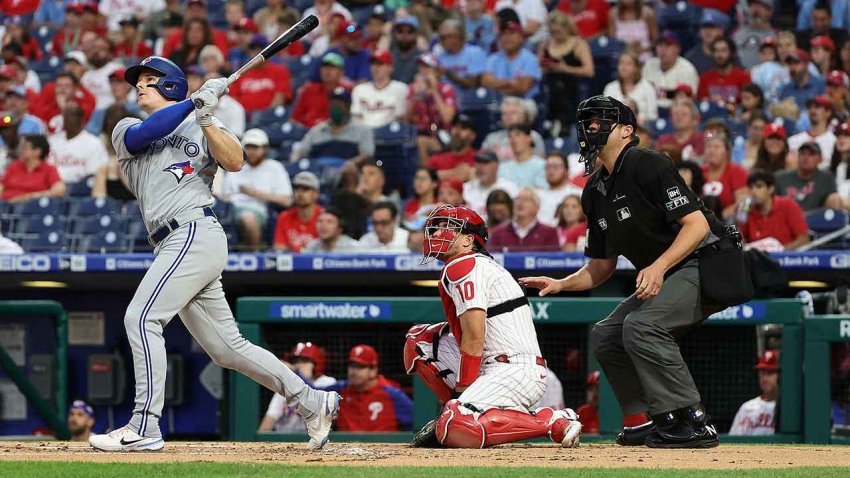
point(205, 470)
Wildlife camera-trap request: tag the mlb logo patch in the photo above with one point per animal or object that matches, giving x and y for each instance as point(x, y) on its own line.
point(623, 214)
point(673, 192)
point(603, 224)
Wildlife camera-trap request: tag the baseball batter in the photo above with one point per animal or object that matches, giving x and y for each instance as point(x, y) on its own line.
point(486, 354)
point(169, 161)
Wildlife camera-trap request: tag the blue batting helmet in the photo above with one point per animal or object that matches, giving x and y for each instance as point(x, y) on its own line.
point(172, 83)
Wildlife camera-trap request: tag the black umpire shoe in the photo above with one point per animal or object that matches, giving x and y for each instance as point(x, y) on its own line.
point(635, 436)
point(684, 428)
point(426, 437)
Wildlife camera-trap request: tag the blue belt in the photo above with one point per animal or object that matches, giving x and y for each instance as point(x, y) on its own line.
point(160, 234)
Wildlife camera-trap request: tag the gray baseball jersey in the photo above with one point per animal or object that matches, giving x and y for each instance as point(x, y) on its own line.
point(174, 174)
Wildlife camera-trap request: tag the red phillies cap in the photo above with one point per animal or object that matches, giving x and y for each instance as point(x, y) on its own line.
point(823, 41)
point(512, 27)
point(593, 378)
point(75, 7)
point(798, 55)
point(452, 184)
point(246, 24)
point(347, 29)
point(842, 129)
point(837, 78)
point(769, 360)
point(117, 74)
point(364, 355)
point(820, 101)
point(381, 56)
point(773, 129)
point(686, 89)
point(768, 42)
point(8, 72)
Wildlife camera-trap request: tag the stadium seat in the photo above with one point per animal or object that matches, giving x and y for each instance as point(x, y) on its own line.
point(47, 68)
point(44, 36)
point(682, 18)
point(395, 149)
point(824, 221)
point(738, 128)
point(278, 114)
point(80, 188)
point(284, 134)
point(215, 9)
point(660, 126)
point(41, 205)
point(131, 210)
point(95, 224)
point(482, 105)
point(711, 110)
point(300, 69)
point(566, 145)
point(136, 236)
point(39, 224)
point(223, 211)
point(104, 242)
point(606, 53)
point(94, 207)
point(53, 241)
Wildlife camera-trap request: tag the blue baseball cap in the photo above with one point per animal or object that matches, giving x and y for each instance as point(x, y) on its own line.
point(408, 20)
point(84, 407)
point(340, 93)
point(716, 18)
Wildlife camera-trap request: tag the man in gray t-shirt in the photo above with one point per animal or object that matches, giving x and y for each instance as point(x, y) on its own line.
point(338, 136)
point(169, 161)
point(809, 186)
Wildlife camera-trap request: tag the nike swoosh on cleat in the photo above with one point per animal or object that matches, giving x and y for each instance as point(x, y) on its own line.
point(125, 442)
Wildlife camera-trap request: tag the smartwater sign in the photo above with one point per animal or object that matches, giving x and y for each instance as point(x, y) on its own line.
point(748, 311)
point(331, 310)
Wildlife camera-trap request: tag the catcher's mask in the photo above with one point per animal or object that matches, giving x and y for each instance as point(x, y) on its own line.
point(608, 112)
point(445, 224)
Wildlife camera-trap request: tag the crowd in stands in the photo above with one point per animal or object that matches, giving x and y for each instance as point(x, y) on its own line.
point(354, 133)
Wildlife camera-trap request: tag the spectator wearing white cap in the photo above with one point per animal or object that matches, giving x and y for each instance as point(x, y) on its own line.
point(261, 183)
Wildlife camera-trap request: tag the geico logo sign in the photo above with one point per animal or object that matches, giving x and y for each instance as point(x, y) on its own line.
point(411, 262)
point(25, 263)
point(840, 261)
point(242, 263)
point(540, 310)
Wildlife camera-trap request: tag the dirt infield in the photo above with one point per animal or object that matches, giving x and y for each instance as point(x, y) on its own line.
point(378, 454)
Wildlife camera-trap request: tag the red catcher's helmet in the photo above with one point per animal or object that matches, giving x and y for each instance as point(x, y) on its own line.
point(313, 353)
point(444, 225)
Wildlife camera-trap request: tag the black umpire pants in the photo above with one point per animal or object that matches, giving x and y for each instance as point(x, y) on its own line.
point(637, 349)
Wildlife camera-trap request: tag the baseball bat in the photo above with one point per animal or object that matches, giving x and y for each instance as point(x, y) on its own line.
point(295, 33)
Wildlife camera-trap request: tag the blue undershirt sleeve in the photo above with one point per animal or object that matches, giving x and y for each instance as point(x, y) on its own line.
point(157, 126)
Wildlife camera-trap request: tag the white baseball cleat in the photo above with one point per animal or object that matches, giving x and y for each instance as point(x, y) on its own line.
point(125, 439)
point(565, 428)
point(319, 426)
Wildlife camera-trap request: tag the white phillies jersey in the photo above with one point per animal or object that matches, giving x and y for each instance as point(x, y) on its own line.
point(755, 417)
point(174, 174)
point(476, 281)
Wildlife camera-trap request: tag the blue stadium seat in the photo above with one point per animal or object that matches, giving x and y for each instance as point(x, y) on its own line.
point(606, 53)
point(278, 114)
point(789, 125)
point(53, 241)
point(395, 149)
point(131, 210)
point(41, 205)
point(215, 9)
point(39, 224)
point(104, 242)
point(710, 110)
point(682, 18)
point(80, 189)
point(567, 145)
point(660, 126)
point(94, 207)
point(300, 69)
point(482, 106)
point(824, 221)
point(281, 134)
point(46, 68)
point(223, 211)
point(44, 35)
point(293, 168)
point(738, 128)
point(137, 237)
point(95, 224)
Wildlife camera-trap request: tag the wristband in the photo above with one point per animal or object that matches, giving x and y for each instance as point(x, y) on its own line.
point(470, 365)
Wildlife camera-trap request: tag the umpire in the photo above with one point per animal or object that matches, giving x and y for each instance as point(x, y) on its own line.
point(638, 206)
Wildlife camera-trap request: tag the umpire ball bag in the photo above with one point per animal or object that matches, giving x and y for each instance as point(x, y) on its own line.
point(723, 274)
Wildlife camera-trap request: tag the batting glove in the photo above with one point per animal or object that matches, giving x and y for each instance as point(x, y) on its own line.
point(217, 86)
point(204, 114)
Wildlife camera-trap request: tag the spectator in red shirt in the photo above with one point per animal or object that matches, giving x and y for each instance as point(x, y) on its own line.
point(591, 16)
point(30, 177)
point(370, 401)
point(451, 192)
point(312, 106)
point(572, 224)
point(431, 104)
point(685, 117)
point(194, 9)
point(296, 227)
point(67, 39)
point(723, 84)
point(457, 163)
point(53, 97)
point(264, 86)
point(776, 217)
point(130, 48)
point(524, 233)
point(724, 180)
point(18, 37)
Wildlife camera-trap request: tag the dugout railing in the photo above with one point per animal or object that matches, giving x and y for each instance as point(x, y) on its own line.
point(820, 333)
point(729, 340)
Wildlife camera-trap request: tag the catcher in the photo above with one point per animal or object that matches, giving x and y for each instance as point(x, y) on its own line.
point(484, 362)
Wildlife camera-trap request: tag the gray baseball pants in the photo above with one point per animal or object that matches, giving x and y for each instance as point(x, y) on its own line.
point(185, 280)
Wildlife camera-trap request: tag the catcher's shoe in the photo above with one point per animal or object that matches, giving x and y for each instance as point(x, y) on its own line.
point(426, 437)
point(319, 426)
point(564, 428)
point(125, 439)
point(635, 436)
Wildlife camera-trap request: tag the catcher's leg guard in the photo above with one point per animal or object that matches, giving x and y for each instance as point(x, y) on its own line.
point(461, 427)
point(420, 357)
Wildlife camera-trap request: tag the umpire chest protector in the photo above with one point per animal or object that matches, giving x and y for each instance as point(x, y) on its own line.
point(633, 211)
